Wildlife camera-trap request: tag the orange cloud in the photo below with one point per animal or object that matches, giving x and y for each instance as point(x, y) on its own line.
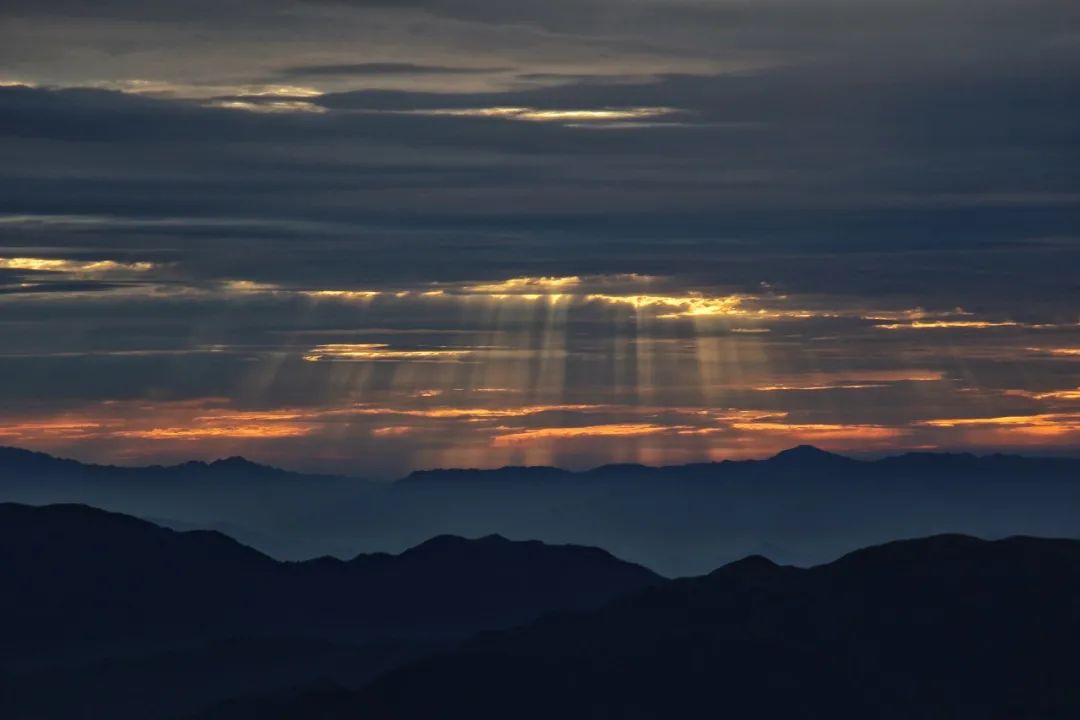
point(54, 429)
point(441, 413)
point(393, 431)
point(941, 324)
point(809, 388)
point(1042, 424)
point(198, 419)
point(361, 352)
point(587, 431)
point(1049, 395)
point(1059, 352)
point(823, 431)
point(248, 432)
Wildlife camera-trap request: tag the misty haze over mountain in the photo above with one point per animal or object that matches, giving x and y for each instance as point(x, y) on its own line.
point(803, 506)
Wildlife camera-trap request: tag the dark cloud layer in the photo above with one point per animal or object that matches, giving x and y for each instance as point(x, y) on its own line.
point(901, 178)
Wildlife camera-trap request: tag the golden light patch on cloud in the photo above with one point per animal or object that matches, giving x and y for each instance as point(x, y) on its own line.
point(51, 429)
point(843, 380)
point(912, 314)
point(271, 106)
point(208, 92)
point(946, 324)
point(239, 432)
point(823, 431)
point(1057, 352)
point(473, 413)
point(249, 286)
point(258, 416)
point(701, 430)
point(393, 431)
point(560, 115)
point(196, 419)
point(374, 352)
point(1068, 394)
point(1041, 424)
point(1059, 395)
point(285, 91)
point(517, 285)
point(699, 305)
point(517, 436)
point(814, 388)
point(74, 267)
point(343, 294)
point(895, 376)
point(731, 415)
point(685, 305)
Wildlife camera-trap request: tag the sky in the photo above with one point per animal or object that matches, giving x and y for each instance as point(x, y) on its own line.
point(372, 236)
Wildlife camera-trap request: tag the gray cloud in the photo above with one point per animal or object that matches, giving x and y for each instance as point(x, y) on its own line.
point(887, 156)
point(382, 69)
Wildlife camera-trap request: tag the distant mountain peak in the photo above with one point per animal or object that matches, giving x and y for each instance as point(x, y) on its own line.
point(447, 541)
point(750, 566)
point(237, 462)
point(807, 454)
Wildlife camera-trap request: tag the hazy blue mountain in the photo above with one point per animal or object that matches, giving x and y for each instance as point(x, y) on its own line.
point(943, 627)
point(134, 620)
point(803, 506)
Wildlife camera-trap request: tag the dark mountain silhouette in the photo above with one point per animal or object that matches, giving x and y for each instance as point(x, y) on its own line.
point(94, 598)
point(16, 461)
point(944, 627)
point(803, 506)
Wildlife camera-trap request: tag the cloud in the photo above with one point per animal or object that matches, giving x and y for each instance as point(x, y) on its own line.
point(510, 437)
point(367, 352)
point(947, 324)
point(839, 218)
point(383, 69)
point(69, 266)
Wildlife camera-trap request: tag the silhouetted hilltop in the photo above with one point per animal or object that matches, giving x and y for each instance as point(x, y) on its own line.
point(77, 574)
point(94, 598)
point(943, 627)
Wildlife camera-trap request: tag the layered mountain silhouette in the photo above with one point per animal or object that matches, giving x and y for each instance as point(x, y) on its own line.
point(803, 506)
point(944, 627)
point(106, 615)
point(144, 618)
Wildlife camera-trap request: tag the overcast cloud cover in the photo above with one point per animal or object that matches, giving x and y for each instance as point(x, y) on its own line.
point(370, 236)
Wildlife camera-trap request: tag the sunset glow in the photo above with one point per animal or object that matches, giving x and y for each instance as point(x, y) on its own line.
point(374, 237)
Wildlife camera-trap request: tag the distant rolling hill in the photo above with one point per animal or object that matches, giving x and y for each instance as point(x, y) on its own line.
point(134, 620)
point(803, 506)
point(944, 627)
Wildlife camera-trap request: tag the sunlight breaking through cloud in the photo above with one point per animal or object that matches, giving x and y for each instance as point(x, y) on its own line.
point(74, 267)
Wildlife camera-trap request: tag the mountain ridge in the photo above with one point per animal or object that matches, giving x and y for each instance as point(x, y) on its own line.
point(104, 601)
point(802, 506)
point(947, 626)
point(14, 457)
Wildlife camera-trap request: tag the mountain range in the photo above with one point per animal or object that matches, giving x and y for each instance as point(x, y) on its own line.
point(943, 627)
point(107, 603)
point(803, 506)
point(107, 615)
